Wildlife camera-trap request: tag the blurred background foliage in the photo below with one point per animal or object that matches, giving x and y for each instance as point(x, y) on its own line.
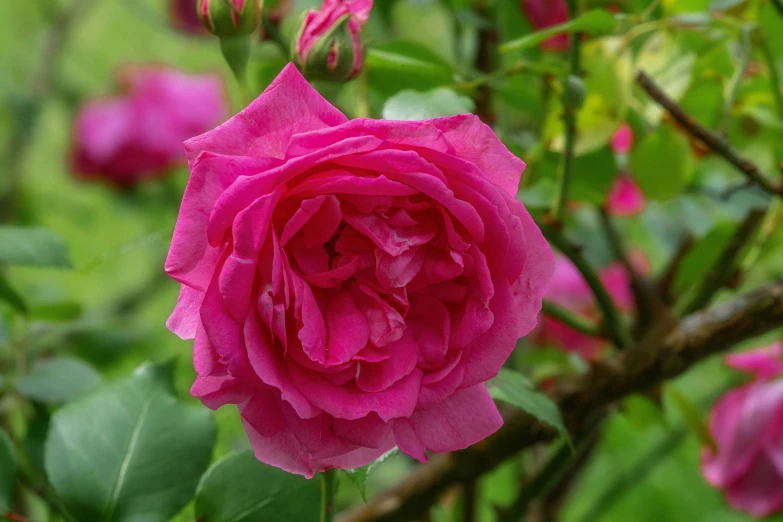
point(109, 310)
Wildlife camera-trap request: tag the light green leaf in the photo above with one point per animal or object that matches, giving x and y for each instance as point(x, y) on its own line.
point(359, 475)
point(414, 105)
point(515, 389)
point(33, 247)
point(662, 163)
point(11, 296)
point(239, 488)
point(8, 480)
point(592, 176)
point(403, 65)
point(128, 451)
point(57, 380)
point(595, 22)
point(669, 64)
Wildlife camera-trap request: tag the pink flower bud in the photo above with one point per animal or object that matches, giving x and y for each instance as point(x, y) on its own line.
point(546, 13)
point(185, 18)
point(328, 45)
point(625, 198)
point(229, 18)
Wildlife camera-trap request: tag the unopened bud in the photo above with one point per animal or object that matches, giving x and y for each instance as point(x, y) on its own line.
point(230, 18)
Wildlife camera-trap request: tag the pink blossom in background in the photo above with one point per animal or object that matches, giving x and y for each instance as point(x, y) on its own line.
point(747, 427)
point(318, 22)
point(625, 198)
point(138, 134)
point(352, 284)
point(569, 289)
point(546, 13)
point(622, 140)
point(184, 16)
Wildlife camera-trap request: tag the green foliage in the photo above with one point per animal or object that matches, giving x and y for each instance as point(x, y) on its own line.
point(238, 488)
point(515, 389)
point(662, 164)
point(32, 247)
point(401, 65)
point(57, 380)
point(8, 481)
point(128, 449)
point(413, 105)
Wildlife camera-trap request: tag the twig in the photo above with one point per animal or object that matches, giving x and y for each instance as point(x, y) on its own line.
point(570, 108)
point(615, 329)
point(469, 501)
point(717, 144)
point(644, 299)
point(695, 338)
point(569, 318)
point(720, 273)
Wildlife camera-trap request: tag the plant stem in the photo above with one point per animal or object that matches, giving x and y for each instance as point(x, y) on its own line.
point(570, 109)
point(572, 319)
point(613, 324)
point(328, 487)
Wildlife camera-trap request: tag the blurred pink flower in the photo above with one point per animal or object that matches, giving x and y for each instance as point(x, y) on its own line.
point(747, 427)
point(625, 197)
point(351, 284)
point(139, 134)
point(622, 140)
point(569, 289)
point(184, 16)
point(341, 58)
point(546, 13)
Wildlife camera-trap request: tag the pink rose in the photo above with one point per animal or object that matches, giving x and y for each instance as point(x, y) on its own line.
point(546, 13)
point(139, 134)
point(625, 197)
point(747, 427)
point(569, 289)
point(328, 44)
point(352, 284)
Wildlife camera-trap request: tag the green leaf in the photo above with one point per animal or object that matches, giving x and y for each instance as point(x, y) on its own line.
point(56, 310)
point(10, 296)
point(670, 64)
point(592, 176)
point(662, 163)
point(414, 105)
point(8, 480)
point(403, 65)
point(239, 488)
point(702, 255)
point(128, 451)
point(359, 475)
point(515, 389)
point(57, 380)
point(33, 247)
point(693, 418)
point(595, 22)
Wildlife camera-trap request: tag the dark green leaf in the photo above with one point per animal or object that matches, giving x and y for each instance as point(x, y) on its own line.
point(57, 380)
point(662, 163)
point(403, 65)
point(33, 247)
point(8, 480)
point(239, 488)
point(515, 389)
point(11, 296)
point(56, 310)
point(414, 105)
point(128, 451)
